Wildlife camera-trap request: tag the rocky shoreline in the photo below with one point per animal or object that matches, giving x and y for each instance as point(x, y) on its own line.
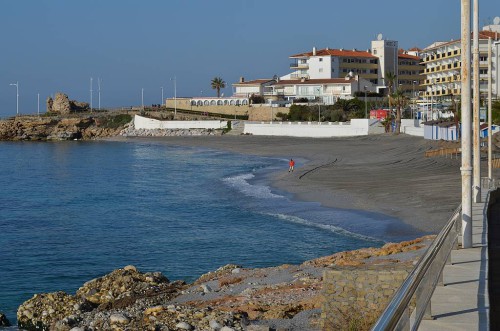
point(84, 127)
point(286, 297)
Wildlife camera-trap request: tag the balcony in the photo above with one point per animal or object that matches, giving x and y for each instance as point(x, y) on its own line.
point(299, 65)
point(299, 76)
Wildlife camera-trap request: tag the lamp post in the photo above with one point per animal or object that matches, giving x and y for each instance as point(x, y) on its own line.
point(16, 84)
point(175, 95)
point(476, 161)
point(161, 103)
point(90, 94)
point(99, 92)
point(38, 109)
point(414, 100)
point(366, 103)
point(466, 168)
point(142, 98)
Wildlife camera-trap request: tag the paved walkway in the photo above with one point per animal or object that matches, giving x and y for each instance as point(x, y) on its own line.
point(463, 303)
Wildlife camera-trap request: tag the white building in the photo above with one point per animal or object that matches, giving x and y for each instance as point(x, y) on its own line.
point(443, 66)
point(322, 90)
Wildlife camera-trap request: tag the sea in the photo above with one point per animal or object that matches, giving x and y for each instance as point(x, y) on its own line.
point(73, 211)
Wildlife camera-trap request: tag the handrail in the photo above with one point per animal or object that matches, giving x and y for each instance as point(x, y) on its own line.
point(423, 279)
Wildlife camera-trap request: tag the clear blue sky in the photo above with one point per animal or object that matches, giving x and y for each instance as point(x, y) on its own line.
point(57, 45)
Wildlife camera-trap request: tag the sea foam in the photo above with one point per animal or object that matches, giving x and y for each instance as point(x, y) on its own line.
point(240, 183)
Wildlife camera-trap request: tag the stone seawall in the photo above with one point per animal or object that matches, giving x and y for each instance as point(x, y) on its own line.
point(356, 296)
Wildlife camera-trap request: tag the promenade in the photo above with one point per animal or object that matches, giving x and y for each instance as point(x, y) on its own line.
point(463, 302)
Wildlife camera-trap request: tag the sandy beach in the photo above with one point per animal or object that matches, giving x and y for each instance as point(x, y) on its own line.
point(386, 174)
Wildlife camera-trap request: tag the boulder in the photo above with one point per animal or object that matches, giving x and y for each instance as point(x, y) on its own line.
point(3, 320)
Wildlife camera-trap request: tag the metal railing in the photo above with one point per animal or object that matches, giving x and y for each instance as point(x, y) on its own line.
point(415, 293)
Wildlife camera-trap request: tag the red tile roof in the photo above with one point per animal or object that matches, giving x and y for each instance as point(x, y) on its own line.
point(314, 81)
point(336, 52)
point(482, 35)
point(254, 82)
point(408, 56)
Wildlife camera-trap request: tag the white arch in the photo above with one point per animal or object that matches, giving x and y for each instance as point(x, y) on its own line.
point(200, 103)
point(206, 103)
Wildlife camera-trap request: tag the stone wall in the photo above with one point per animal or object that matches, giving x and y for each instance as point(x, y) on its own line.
point(354, 297)
point(254, 112)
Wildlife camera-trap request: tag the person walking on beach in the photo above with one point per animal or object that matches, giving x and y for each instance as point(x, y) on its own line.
point(291, 164)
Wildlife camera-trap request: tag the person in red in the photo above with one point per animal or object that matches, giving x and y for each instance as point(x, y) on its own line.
point(291, 164)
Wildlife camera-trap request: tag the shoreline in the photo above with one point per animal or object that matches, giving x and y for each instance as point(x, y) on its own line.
point(384, 174)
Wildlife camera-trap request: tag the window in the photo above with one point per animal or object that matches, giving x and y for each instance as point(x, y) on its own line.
point(374, 51)
point(320, 69)
point(320, 59)
point(333, 70)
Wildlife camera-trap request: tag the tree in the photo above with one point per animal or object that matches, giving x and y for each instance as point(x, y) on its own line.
point(455, 109)
point(352, 108)
point(400, 101)
point(390, 80)
point(495, 112)
point(217, 84)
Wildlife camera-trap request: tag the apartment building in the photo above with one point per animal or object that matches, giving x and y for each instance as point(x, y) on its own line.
point(442, 60)
point(334, 63)
point(371, 65)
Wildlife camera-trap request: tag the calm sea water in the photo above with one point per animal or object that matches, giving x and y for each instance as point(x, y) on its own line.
point(72, 211)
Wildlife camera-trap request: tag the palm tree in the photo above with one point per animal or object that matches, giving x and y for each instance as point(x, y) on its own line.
point(217, 84)
point(390, 79)
point(400, 100)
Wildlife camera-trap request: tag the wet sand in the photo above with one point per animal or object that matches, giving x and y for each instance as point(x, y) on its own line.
point(382, 173)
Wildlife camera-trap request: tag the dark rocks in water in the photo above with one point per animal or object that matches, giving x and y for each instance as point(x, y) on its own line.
point(3, 320)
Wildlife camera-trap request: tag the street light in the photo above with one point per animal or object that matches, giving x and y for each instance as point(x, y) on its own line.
point(142, 98)
point(414, 99)
point(366, 103)
point(16, 84)
point(161, 104)
point(38, 109)
point(175, 95)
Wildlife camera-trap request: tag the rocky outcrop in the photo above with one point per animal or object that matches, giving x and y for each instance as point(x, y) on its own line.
point(3, 320)
point(125, 299)
point(54, 128)
point(62, 105)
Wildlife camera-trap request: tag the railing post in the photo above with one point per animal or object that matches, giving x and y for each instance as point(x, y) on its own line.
point(428, 312)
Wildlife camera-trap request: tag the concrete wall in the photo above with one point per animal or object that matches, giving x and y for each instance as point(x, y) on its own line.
point(149, 123)
point(258, 112)
point(412, 127)
point(357, 295)
point(357, 127)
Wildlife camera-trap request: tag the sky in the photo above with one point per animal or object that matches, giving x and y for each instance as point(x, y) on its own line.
point(51, 46)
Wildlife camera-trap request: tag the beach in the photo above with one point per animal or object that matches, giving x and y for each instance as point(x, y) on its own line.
point(387, 174)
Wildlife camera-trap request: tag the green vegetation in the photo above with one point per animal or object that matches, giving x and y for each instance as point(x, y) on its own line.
point(217, 84)
point(495, 112)
point(400, 101)
point(343, 110)
point(256, 99)
point(114, 121)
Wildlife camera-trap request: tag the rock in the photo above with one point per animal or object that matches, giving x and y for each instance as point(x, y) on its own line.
point(206, 288)
point(236, 271)
point(183, 326)
point(130, 267)
point(226, 328)
point(257, 328)
point(119, 319)
point(77, 329)
point(61, 104)
point(215, 325)
point(3, 320)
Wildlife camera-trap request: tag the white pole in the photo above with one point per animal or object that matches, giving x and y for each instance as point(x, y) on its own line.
point(16, 84)
point(99, 89)
point(466, 168)
point(90, 94)
point(490, 177)
point(161, 103)
point(476, 193)
point(175, 96)
point(38, 109)
point(142, 98)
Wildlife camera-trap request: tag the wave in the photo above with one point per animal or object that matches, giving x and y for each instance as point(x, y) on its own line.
point(240, 183)
point(327, 227)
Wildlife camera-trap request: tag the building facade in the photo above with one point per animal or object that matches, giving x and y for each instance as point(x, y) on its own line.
point(442, 60)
